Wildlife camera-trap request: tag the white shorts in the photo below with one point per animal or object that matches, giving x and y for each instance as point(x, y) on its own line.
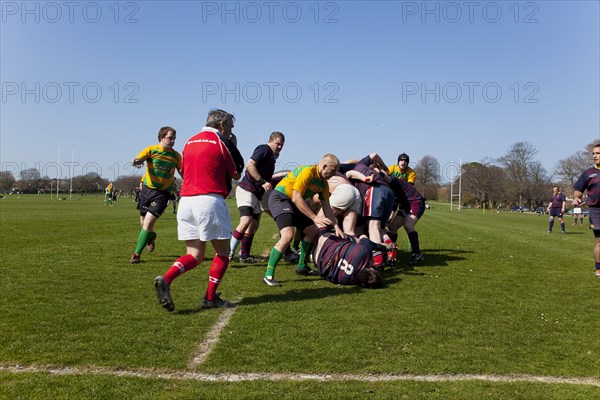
point(244, 198)
point(205, 217)
point(577, 210)
point(346, 197)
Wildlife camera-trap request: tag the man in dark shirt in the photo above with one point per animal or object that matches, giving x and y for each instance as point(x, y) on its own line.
point(556, 208)
point(590, 181)
point(252, 194)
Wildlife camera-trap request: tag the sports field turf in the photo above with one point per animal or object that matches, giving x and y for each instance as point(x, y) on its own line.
point(498, 310)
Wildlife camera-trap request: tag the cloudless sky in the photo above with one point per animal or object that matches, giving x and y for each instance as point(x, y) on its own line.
point(92, 82)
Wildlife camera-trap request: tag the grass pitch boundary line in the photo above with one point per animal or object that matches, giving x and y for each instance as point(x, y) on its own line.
point(273, 377)
point(212, 337)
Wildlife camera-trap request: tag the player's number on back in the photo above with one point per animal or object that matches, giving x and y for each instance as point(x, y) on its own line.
point(346, 267)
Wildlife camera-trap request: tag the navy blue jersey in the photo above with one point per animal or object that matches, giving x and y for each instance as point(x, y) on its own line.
point(341, 260)
point(590, 180)
point(265, 159)
point(557, 200)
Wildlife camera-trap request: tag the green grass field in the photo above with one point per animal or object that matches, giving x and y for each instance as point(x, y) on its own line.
point(498, 310)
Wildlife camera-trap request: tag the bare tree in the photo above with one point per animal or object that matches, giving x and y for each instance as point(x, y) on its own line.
point(88, 183)
point(7, 180)
point(30, 180)
point(518, 165)
point(127, 184)
point(428, 176)
point(484, 182)
point(539, 188)
point(569, 169)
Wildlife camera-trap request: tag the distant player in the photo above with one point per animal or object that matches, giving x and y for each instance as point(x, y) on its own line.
point(108, 195)
point(556, 208)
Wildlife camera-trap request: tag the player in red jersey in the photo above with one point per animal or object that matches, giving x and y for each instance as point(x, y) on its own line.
point(210, 161)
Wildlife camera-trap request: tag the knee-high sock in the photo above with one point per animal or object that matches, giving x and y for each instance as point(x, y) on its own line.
point(236, 237)
point(273, 260)
point(143, 238)
point(215, 274)
point(304, 248)
point(413, 238)
point(377, 258)
point(295, 244)
point(550, 225)
point(247, 245)
point(562, 226)
point(181, 265)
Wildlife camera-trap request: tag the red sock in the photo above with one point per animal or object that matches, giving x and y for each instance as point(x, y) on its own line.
point(237, 234)
point(377, 258)
point(215, 274)
point(181, 265)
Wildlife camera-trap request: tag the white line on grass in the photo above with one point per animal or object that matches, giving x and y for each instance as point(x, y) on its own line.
point(212, 337)
point(233, 377)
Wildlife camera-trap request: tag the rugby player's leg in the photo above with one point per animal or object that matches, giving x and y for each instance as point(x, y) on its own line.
point(218, 268)
point(287, 234)
point(238, 232)
point(550, 223)
point(249, 236)
point(162, 284)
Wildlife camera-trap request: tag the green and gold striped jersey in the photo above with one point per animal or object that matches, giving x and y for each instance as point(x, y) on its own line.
point(161, 164)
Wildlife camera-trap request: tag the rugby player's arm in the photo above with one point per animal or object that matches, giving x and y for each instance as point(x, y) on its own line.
point(376, 158)
point(253, 171)
point(328, 212)
point(141, 157)
point(353, 174)
point(299, 202)
point(137, 162)
point(577, 195)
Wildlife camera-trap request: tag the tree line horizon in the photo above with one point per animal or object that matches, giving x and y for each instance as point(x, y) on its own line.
point(516, 178)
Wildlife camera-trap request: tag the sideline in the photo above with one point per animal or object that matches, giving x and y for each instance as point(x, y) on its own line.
point(212, 336)
point(234, 377)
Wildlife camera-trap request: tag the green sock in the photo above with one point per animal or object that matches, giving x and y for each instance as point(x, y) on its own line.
point(273, 260)
point(142, 241)
point(295, 244)
point(304, 247)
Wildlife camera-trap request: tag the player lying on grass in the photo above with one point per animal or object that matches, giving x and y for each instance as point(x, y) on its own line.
point(347, 261)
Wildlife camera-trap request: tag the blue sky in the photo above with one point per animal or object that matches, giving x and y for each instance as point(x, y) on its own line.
point(93, 82)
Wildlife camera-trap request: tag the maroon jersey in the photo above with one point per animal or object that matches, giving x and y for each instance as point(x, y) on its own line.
point(341, 260)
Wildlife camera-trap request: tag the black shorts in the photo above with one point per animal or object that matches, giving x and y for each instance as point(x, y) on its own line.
point(556, 212)
point(285, 213)
point(595, 218)
point(153, 201)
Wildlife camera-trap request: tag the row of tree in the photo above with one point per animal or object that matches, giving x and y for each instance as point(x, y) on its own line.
point(516, 178)
point(31, 181)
